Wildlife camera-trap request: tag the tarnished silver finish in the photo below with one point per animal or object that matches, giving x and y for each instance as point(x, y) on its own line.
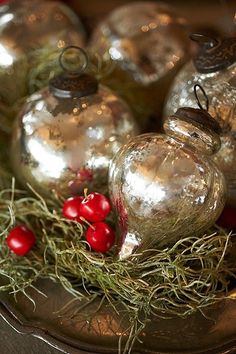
point(220, 87)
point(166, 187)
point(66, 144)
point(27, 25)
point(148, 43)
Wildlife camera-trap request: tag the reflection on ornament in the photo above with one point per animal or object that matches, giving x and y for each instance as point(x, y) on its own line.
point(166, 187)
point(215, 69)
point(147, 41)
point(26, 26)
point(67, 133)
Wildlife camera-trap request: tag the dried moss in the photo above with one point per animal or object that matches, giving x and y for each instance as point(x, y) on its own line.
point(193, 274)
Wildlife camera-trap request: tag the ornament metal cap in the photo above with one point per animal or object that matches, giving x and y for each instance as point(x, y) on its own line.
point(214, 54)
point(199, 115)
point(73, 83)
point(195, 126)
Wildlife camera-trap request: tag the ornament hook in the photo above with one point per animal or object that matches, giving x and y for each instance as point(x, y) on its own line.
point(82, 64)
point(73, 82)
point(197, 86)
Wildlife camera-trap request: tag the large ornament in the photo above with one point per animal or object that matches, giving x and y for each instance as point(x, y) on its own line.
point(215, 69)
point(26, 26)
point(67, 133)
point(148, 44)
point(166, 187)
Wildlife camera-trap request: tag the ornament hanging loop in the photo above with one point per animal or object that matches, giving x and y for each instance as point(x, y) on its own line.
point(195, 88)
point(202, 39)
point(73, 83)
point(80, 59)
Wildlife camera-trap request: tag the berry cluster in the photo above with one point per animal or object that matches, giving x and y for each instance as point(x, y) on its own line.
point(93, 208)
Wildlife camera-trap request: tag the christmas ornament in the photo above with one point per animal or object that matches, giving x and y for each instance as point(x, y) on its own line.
point(67, 133)
point(166, 187)
point(95, 207)
point(215, 69)
point(148, 43)
point(25, 26)
point(100, 237)
point(20, 240)
point(71, 208)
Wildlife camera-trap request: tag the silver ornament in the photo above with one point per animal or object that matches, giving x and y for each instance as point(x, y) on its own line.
point(67, 133)
point(215, 70)
point(29, 25)
point(166, 187)
point(148, 43)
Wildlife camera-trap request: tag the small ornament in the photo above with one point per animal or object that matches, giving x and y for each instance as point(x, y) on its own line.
point(26, 26)
point(71, 208)
point(148, 43)
point(67, 133)
point(20, 240)
point(166, 187)
point(100, 237)
point(95, 207)
point(215, 69)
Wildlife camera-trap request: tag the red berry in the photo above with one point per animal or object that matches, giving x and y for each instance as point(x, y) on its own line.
point(85, 174)
point(95, 207)
point(100, 237)
point(20, 240)
point(71, 208)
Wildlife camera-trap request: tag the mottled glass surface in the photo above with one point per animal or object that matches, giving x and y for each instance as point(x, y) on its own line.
point(220, 88)
point(163, 189)
point(148, 43)
point(27, 25)
point(66, 144)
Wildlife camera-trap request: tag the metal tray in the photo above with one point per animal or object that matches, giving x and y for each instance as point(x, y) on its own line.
point(96, 330)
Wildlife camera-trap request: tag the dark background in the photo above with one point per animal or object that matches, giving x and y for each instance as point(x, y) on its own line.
point(200, 13)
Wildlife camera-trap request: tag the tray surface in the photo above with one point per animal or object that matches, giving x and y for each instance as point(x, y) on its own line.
point(83, 327)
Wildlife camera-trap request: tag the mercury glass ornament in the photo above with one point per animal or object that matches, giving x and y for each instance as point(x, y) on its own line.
point(27, 25)
point(148, 44)
point(215, 69)
point(67, 133)
point(166, 186)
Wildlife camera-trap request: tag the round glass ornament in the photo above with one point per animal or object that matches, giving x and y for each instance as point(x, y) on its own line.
point(67, 133)
point(27, 26)
point(147, 42)
point(166, 186)
point(215, 69)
